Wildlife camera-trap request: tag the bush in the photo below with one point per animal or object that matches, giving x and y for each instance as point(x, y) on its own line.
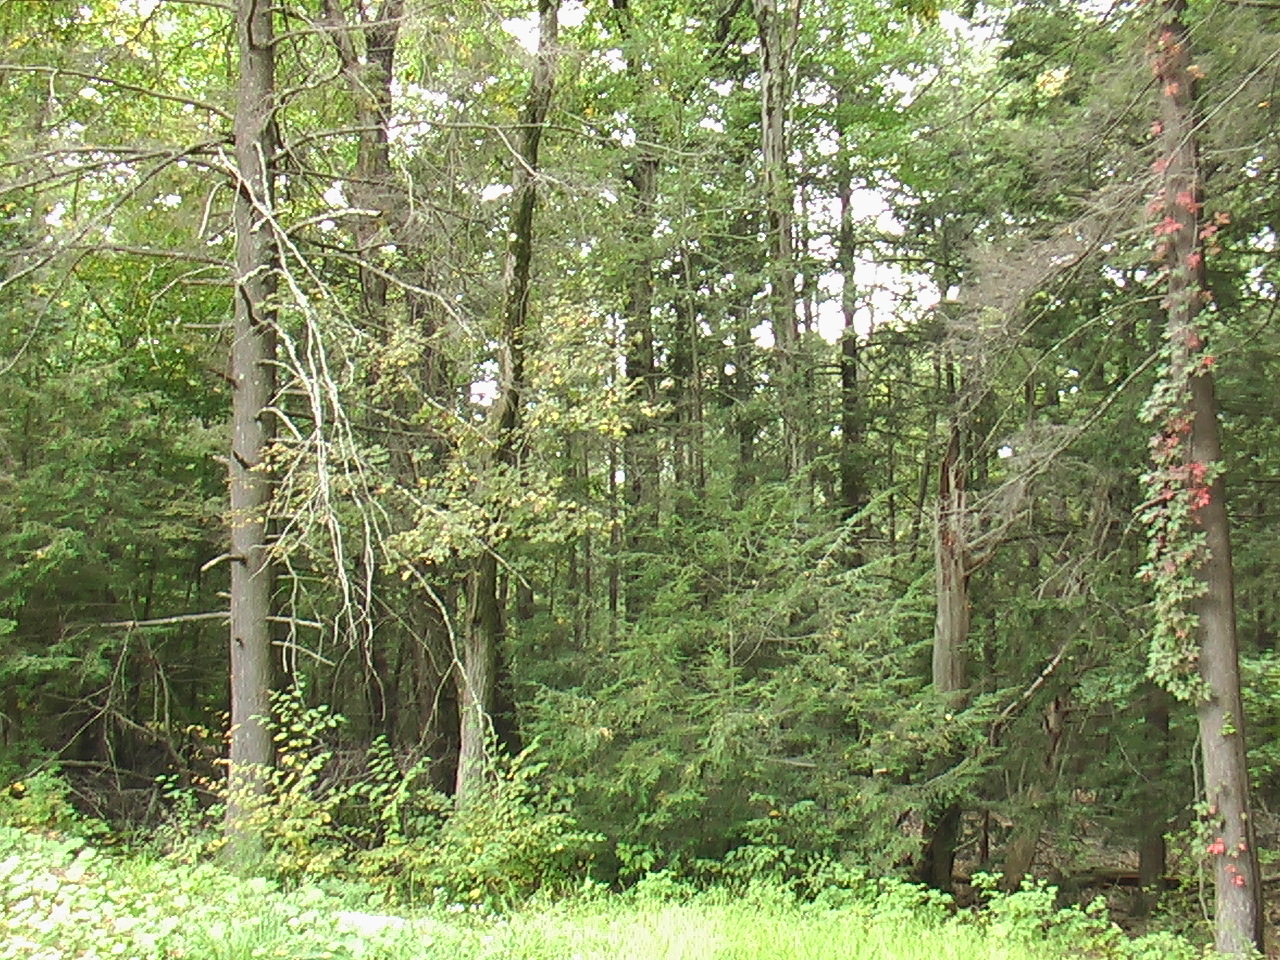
point(385, 828)
point(1030, 917)
point(42, 802)
point(504, 845)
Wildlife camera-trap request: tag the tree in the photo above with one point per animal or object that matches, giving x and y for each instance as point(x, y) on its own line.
point(253, 379)
point(484, 630)
point(1196, 650)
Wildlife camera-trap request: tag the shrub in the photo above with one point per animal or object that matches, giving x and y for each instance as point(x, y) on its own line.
point(505, 844)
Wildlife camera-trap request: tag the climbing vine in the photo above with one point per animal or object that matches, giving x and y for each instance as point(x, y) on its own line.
point(1179, 484)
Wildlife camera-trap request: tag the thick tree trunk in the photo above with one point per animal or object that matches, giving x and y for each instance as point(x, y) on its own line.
point(481, 645)
point(951, 633)
point(253, 380)
point(1237, 880)
point(477, 675)
point(778, 23)
point(1180, 236)
point(951, 627)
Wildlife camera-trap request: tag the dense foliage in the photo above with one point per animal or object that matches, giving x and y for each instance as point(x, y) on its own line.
point(717, 440)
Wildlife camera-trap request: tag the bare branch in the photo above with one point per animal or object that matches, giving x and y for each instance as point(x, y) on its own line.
point(53, 71)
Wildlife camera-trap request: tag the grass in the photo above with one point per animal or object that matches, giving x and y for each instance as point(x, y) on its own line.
point(725, 931)
point(62, 900)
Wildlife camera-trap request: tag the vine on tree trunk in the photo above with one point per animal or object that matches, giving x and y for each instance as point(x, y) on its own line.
point(1178, 485)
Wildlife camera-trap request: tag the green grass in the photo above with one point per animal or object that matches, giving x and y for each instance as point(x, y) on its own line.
point(715, 931)
point(60, 899)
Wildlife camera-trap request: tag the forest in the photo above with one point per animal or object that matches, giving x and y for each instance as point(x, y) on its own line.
point(478, 446)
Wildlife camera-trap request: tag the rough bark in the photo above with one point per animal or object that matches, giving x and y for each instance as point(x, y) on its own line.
point(951, 627)
point(951, 633)
point(1237, 887)
point(778, 26)
point(253, 380)
point(481, 643)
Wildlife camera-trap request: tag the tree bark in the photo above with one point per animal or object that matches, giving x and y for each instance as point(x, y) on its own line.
point(778, 28)
point(1180, 244)
point(253, 380)
point(478, 660)
point(951, 627)
point(950, 635)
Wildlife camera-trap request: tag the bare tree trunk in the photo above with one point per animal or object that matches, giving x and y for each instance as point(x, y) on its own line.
point(484, 627)
point(1193, 434)
point(951, 627)
point(778, 28)
point(951, 632)
point(253, 380)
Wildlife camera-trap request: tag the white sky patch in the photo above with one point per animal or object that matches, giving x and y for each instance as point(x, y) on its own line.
point(484, 392)
point(334, 196)
point(494, 191)
point(981, 37)
point(614, 60)
point(54, 217)
point(573, 13)
point(170, 200)
point(525, 29)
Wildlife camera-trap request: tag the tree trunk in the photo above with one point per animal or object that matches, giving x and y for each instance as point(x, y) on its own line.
point(951, 632)
point(1192, 433)
point(253, 379)
point(951, 627)
point(481, 643)
point(778, 29)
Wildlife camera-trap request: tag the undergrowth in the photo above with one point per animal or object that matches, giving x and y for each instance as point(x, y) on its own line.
point(63, 899)
point(380, 866)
